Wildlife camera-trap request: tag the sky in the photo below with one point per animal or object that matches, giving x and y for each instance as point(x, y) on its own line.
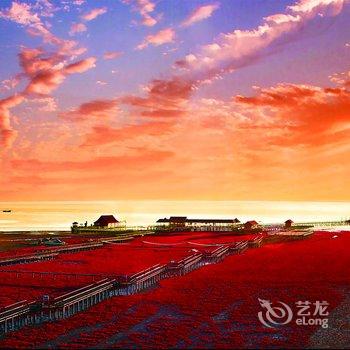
point(175, 100)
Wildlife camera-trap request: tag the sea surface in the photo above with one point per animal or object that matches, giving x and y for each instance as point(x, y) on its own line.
point(54, 216)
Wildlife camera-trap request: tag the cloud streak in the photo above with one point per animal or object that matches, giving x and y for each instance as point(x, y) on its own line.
point(94, 13)
point(199, 14)
point(146, 10)
point(93, 109)
point(7, 133)
point(111, 55)
point(162, 37)
point(238, 48)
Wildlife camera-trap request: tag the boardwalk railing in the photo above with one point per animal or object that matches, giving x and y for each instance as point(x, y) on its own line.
point(48, 254)
point(51, 309)
point(15, 316)
point(77, 247)
point(28, 258)
point(78, 300)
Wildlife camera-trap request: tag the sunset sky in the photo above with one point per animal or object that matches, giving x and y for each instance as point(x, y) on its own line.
point(175, 99)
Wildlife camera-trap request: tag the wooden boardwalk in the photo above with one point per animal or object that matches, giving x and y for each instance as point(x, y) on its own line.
point(50, 309)
point(49, 254)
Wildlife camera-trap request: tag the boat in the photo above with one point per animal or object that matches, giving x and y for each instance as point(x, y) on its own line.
point(52, 242)
point(7, 211)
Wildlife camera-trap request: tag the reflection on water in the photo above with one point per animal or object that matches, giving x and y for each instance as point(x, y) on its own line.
point(60, 215)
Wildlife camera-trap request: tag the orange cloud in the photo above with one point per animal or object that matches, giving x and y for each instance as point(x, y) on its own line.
point(46, 73)
point(45, 82)
point(45, 77)
point(164, 98)
point(306, 115)
point(7, 133)
point(141, 158)
point(93, 109)
point(101, 134)
point(160, 38)
point(199, 14)
point(282, 95)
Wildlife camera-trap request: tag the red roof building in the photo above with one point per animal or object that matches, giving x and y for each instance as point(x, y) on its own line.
point(251, 225)
point(106, 221)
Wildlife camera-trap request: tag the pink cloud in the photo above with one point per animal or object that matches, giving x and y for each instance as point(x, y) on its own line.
point(79, 2)
point(145, 8)
point(45, 82)
point(199, 14)
point(81, 66)
point(45, 104)
point(9, 84)
point(110, 55)
point(77, 28)
point(309, 6)
point(162, 37)
point(89, 16)
point(29, 17)
point(47, 73)
point(164, 98)
point(241, 47)
point(7, 133)
point(20, 13)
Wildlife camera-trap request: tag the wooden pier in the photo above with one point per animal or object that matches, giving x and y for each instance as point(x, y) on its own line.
point(41, 275)
point(16, 315)
point(51, 309)
point(78, 300)
point(73, 248)
point(28, 258)
point(49, 254)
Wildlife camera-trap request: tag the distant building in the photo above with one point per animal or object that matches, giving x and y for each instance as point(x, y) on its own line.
point(182, 223)
point(177, 221)
point(289, 223)
point(251, 225)
point(106, 221)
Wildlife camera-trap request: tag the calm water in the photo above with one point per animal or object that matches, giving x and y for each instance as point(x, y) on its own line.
point(60, 215)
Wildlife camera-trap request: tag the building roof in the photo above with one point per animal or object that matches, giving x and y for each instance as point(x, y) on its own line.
point(104, 220)
point(251, 222)
point(178, 218)
point(213, 221)
point(183, 219)
point(163, 220)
